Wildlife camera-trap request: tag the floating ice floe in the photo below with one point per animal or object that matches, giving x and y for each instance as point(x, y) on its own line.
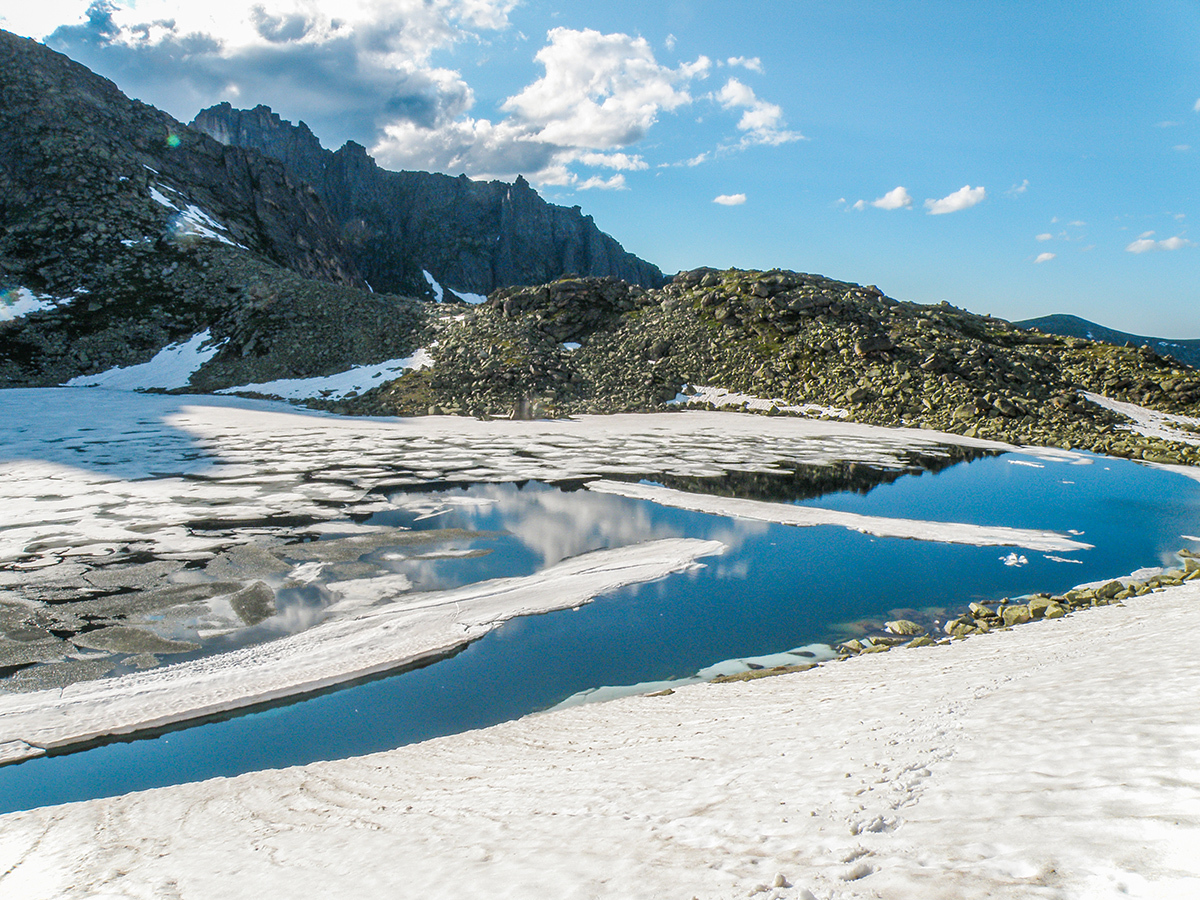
point(340, 385)
point(787, 514)
point(172, 367)
point(1014, 559)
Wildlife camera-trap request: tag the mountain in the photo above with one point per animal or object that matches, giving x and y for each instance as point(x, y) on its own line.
point(472, 236)
point(1186, 351)
point(124, 232)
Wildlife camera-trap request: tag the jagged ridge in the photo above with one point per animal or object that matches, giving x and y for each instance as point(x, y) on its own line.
point(472, 236)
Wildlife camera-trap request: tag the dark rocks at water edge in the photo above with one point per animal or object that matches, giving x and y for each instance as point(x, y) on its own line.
point(472, 236)
point(601, 346)
point(983, 618)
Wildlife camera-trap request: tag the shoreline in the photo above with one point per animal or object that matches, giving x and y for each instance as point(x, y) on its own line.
point(1022, 763)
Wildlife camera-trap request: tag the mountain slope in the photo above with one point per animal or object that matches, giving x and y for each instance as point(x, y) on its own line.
point(1186, 351)
point(472, 236)
point(124, 231)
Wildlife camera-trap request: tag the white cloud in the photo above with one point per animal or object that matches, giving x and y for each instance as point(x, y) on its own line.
point(1146, 243)
point(364, 71)
point(761, 121)
point(896, 198)
point(1197, 106)
point(669, 43)
point(859, 204)
point(599, 90)
point(615, 183)
point(753, 63)
point(1017, 189)
point(1182, 148)
point(622, 161)
point(730, 199)
point(1045, 236)
point(964, 198)
point(1045, 257)
point(1174, 243)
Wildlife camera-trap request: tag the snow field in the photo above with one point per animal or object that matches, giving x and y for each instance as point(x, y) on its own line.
point(1060, 760)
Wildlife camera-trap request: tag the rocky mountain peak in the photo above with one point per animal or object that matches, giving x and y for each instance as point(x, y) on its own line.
point(488, 235)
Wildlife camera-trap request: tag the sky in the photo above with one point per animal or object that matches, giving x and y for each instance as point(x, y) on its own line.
point(1012, 158)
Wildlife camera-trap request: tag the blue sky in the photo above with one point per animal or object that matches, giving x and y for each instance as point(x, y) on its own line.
point(1010, 157)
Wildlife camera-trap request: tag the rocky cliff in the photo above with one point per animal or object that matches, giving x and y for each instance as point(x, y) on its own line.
point(472, 236)
point(124, 231)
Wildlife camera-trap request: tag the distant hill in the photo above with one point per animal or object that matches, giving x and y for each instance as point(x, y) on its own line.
point(1186, 351)
point(472, 236)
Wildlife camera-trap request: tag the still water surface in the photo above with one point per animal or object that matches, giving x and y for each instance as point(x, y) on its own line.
point(776, 588)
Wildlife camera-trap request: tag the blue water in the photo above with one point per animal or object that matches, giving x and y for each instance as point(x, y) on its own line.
point(776, 588)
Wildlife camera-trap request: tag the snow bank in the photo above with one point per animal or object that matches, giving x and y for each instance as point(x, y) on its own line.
point(412, 627)
point(340, 385)
point(724, 399)
point(1057, 760)
point(172, 367)
point(439, 292)
point(786, 514)
point(18, 302)
point(1150, 422)
point(190, 222)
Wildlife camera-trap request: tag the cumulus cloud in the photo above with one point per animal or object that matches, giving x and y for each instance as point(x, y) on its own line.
point(366, 72)
point(1018, 189)
point(599, 93)
point(964, 198)
point(1045, 257)
point(761, 122)
point(1146, 243)
point(345, 74)
point(599, 90)
point(753, 63)
point(730, 199)
point(615, 183)
point(896, 198)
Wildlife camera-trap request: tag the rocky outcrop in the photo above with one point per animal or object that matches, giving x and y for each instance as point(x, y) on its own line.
point(800, 340)
point(472, 236)
point(124, 230)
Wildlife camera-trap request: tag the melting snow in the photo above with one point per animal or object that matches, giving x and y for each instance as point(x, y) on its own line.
point(722, 398)
point(335, 387)
point(190, 220)
point(18, 302)
point(437, 288)
point(172, 367)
